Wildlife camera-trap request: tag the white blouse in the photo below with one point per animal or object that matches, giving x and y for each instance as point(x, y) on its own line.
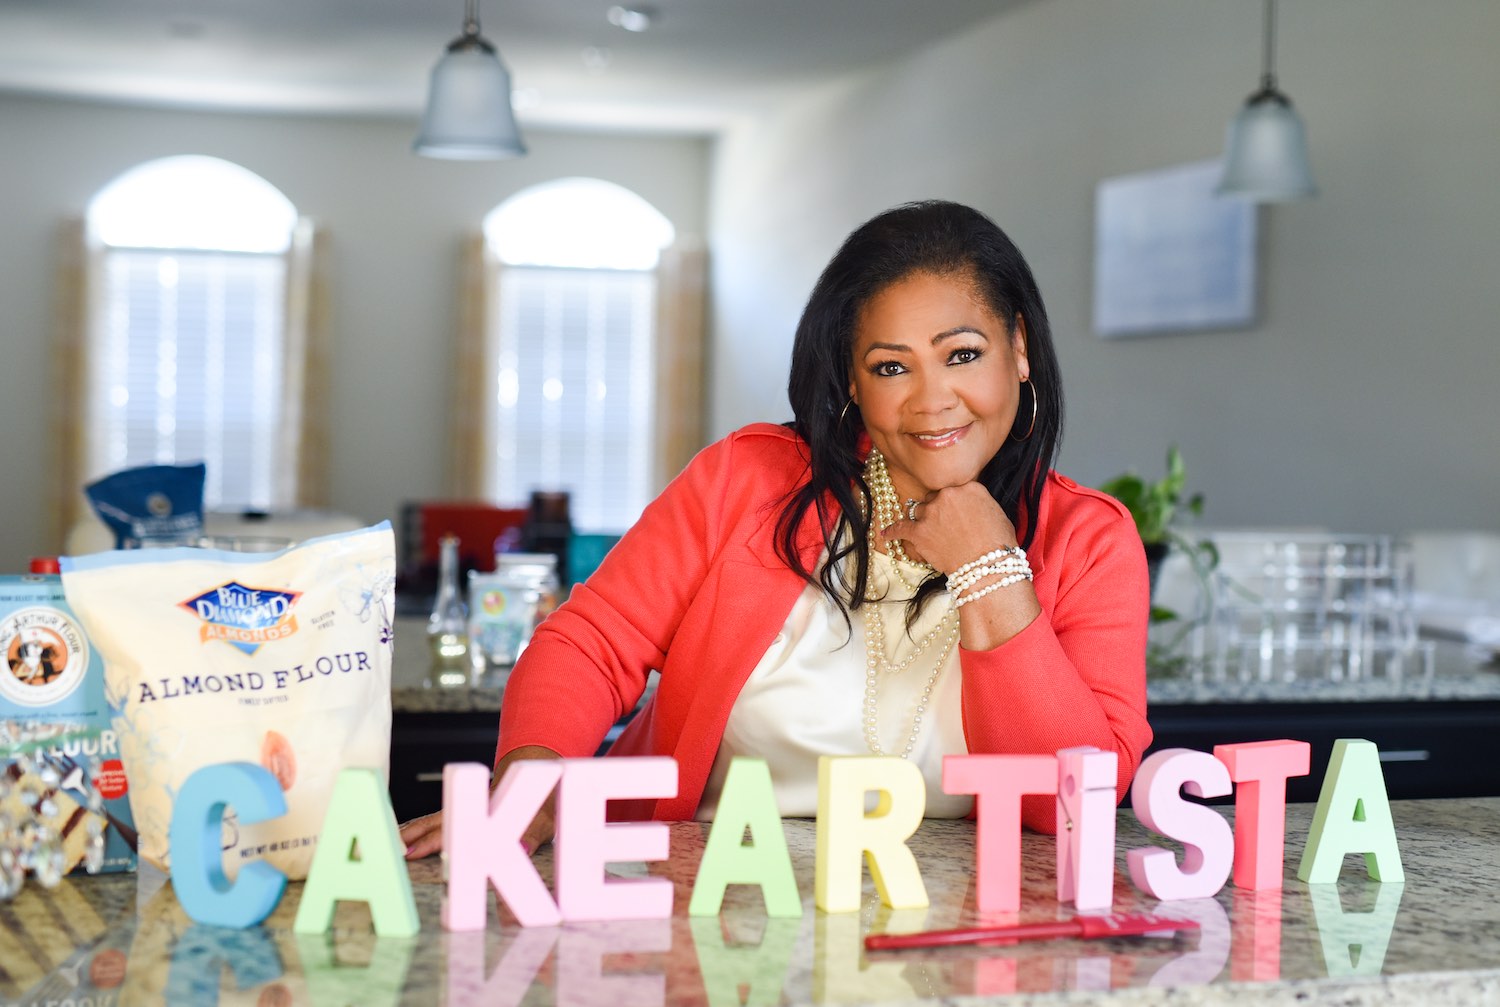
point(805, 699)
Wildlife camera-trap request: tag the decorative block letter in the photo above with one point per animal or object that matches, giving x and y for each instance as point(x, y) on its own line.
point(842, 972)
point(464, 978)
point(1260, 770)
point(1353, 816)
point(1156, 796)
point(585, 843)
point(1206, 962)
point(195, 843)
point(331, 981)
point(845, 831)
point(747, 801)
point(1086, 826)
point(482, 842)
point(359, 812)
point(1354, 944)
point(997, 783)
point(199, 958)
point(589, 970)
point(744, 975)
point(1256, 935)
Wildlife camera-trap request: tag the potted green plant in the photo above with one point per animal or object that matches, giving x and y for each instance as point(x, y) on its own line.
point(1154, 506)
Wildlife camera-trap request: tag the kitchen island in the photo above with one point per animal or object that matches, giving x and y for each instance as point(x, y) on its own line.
point(1434, 940)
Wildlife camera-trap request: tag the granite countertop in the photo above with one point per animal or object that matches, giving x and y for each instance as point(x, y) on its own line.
point(412, 687)
point(1434, 940)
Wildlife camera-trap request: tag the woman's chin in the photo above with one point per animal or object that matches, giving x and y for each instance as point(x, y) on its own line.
point(946, 478)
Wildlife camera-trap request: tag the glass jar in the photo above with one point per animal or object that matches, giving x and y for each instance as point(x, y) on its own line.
point(505, 607)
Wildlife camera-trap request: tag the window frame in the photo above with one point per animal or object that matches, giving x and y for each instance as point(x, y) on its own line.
point(300, 473)
point(680, 328)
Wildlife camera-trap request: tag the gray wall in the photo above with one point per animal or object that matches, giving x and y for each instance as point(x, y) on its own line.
point(1363, 399)
point(395, 222)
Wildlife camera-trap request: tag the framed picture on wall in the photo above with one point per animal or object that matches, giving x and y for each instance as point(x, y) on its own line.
point(1170, 255)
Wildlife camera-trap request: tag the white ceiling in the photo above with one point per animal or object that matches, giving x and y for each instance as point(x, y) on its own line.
point(703, 63)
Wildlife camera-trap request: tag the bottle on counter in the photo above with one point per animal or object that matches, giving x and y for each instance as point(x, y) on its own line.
point(549, 526)
point(447, 627)
point(505, 607)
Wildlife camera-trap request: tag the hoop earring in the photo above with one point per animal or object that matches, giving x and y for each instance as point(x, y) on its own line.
point(1030, 429)
point(843, 413)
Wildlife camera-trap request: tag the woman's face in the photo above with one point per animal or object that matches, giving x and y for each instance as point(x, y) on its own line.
point(936, 376)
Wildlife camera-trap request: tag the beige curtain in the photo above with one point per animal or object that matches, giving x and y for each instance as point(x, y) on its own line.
point(70, 313)
point(303, 478)
point(469, 426)
point(681, 336)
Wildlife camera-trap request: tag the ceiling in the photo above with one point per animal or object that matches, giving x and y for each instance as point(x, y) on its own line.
point(702, 63)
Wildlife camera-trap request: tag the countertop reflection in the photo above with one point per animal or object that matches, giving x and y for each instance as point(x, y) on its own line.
point(123, 939)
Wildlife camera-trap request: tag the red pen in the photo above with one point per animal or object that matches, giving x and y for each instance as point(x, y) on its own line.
point(1118, 925)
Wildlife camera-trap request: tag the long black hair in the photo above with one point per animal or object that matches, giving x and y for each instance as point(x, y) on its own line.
point(943, 239)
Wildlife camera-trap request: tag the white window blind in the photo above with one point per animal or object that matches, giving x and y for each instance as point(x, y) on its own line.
point(573, 391)
point(188, 362)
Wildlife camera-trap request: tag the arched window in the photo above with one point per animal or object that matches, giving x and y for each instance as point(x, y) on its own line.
point(571, 355)
point(193, 202)
point(578, 223)
point(188, 350)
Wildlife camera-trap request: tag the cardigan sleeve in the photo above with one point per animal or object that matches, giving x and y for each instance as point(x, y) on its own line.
point(587, 664)
point(1077, 674)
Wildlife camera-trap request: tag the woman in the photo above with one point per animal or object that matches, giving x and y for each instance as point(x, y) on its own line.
point(897, 571)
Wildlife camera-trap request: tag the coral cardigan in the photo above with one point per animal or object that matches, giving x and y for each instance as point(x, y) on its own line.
point(696, 591)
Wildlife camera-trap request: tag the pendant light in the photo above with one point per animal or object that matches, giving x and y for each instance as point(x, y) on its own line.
point(1265, 156)
point(468, 115)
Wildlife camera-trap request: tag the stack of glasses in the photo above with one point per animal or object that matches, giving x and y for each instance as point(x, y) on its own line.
point(1315, 606)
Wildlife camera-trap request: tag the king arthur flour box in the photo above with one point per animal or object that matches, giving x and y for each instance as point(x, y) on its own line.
point(57, 742)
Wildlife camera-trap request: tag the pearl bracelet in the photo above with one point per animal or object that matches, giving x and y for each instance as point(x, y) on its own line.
point(1014, 578)
point(1012, 575)
point(957, 584)
point(1009, 550)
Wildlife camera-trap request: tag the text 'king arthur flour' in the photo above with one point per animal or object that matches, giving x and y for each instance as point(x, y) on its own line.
point(280, 659)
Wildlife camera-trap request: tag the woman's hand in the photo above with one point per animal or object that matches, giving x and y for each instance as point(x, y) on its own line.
point(954, 526)
point(424, 836)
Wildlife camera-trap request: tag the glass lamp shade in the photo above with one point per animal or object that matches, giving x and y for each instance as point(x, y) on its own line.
point(468, 115)
point(1265, 156)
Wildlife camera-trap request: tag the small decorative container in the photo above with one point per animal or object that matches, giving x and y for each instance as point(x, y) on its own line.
point(505, 607)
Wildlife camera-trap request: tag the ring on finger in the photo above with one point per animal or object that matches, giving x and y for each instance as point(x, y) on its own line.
point(911, 509)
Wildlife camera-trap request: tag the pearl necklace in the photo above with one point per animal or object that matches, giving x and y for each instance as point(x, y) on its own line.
point(877, 477)
point(887, 512)
point(876, 662)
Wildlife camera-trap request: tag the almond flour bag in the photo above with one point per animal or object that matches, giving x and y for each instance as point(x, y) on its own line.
point(281, 659)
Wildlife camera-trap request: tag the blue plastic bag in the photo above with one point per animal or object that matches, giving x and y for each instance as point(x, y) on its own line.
point(151, 505)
